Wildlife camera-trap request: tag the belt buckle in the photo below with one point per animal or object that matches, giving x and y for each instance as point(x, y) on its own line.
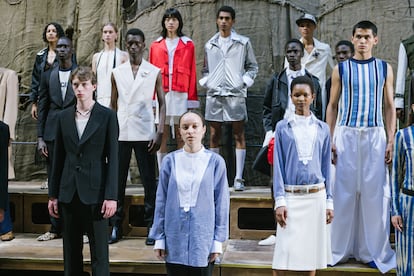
point(302, 191)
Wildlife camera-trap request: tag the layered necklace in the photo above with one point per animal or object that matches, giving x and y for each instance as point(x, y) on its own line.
point(85, 113)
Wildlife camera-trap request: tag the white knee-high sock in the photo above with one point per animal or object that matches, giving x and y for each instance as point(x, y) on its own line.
point(240, 157)
point(160, 156)
point(216, 150)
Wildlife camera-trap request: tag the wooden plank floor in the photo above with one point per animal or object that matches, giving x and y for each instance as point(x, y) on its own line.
point(132, 256)
point(242, 255)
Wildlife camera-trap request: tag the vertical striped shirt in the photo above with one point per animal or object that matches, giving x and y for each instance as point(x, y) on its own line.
point(362, 92)
point(403, 165)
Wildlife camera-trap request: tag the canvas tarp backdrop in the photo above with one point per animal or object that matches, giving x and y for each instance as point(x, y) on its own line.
point(268, 23)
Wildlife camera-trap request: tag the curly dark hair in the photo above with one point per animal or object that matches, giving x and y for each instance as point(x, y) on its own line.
point(59, 30)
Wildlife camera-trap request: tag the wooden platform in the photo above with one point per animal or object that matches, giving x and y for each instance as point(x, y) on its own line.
point(132, 256)
point(251, 214)
point(251, 219)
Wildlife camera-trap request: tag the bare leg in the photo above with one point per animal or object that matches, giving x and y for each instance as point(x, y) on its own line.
point(178, 139)
point(278, 272)
point(162, 152)
point(164, 141)
point(283, 272)
point(215, 134)
point(238, 132)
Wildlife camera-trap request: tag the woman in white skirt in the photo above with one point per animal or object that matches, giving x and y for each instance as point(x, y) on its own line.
point(302, 190)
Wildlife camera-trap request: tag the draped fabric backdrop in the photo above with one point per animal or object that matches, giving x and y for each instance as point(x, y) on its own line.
point(268, 23)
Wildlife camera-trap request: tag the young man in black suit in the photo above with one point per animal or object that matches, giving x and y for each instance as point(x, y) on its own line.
point(84, 184)
point(55, 95)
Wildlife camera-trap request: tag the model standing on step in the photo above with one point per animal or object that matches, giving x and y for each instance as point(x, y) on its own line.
point(192, 204)
point(402, 191)
point(106, 60)
point(83, 186)
point(302, 186)
point(174, 53)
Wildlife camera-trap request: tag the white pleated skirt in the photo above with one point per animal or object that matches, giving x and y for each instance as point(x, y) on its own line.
point(304, 244)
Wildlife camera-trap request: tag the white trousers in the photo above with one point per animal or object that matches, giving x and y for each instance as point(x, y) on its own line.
point(361, 225)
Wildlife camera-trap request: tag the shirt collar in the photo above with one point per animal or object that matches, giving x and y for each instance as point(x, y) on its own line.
point(294, 74)
point(184, 39)
point(234, 36)
point(293, 121)
point(316, 43)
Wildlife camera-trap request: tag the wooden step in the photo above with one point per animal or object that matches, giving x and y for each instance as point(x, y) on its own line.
point(251, 215)
point(131, 255)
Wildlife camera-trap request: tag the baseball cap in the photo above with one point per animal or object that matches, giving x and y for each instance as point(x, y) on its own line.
point(306, 17)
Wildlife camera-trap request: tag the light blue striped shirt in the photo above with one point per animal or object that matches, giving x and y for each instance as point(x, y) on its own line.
point(190, 235)
point(362, 92)
point(403, 166)
point(290, 170)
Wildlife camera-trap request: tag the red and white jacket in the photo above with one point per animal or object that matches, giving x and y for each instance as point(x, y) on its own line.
point(184, 68)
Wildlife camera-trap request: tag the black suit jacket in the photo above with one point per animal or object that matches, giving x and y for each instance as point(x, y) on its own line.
point(276, 99)
point(51, 103)
point(89, 165)
point(4, 163)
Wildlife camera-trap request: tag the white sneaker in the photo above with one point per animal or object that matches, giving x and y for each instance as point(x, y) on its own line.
point(271, 240)
point(239, 184)
point(47, 236)
point(44, 185)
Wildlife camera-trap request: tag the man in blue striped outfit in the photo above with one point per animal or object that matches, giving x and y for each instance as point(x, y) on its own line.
point(362, 148)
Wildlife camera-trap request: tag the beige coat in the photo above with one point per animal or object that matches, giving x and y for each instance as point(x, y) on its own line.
point(9, 95)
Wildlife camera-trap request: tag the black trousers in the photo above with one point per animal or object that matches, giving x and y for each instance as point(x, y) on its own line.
point(56, 225)
point(184, 270)
point(146, 166)
point(79, 218)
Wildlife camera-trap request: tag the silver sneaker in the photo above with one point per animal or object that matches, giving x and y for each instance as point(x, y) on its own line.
point(239, 184)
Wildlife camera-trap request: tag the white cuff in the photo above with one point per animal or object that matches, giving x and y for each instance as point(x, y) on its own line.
point(159, 244)
point(280, 201)
point(248, 81)
point(269, 135)
point(329, 204)
point(203, 81)
point(399, 102)
point(217, 247)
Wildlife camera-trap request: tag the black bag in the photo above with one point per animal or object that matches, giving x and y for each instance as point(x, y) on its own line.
point(260, 163)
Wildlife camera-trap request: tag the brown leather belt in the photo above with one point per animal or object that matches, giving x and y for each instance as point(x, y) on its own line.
point(304, 191)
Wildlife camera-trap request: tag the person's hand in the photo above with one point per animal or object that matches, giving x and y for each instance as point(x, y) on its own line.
point(52, 205)
point(397, 222)
point(155, 144)
point(1, 215)
point(334, 155)
point(400, 113)
point(160, 254)
point(388, 153)
point(281, 216)
point(42, 147)
point(213, 257)
point(34, 111)
point(108, 208)
point(329, 216)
